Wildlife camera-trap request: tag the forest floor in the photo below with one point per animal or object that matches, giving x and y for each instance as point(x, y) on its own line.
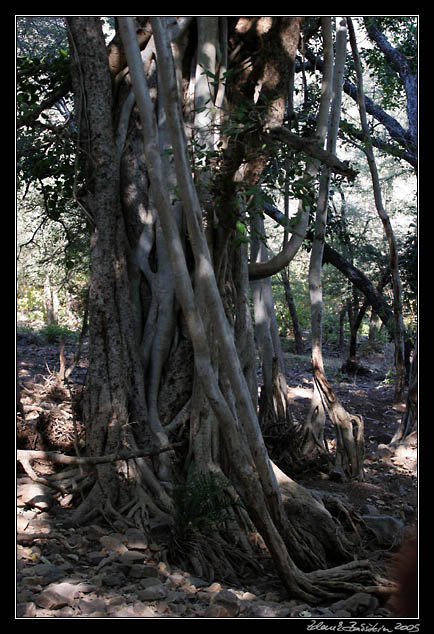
point(103, 571)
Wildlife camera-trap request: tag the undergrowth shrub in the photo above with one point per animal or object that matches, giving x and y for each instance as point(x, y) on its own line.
point(201, 503)
point(53, 333)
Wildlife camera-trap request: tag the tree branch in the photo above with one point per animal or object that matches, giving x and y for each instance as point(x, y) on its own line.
point(25, 457)
point(388, 148)
point(396, 59)
point(352, 273)
point(398, 62)
point(50, 101)
point(311, 147)
point(363, 284)
point(395, 129)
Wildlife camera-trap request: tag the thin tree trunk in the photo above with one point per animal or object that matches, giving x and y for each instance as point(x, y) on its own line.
point(273, 404)
point(374, 326)
point(355, 317)
point(314, 426)
point(342, 315)
point(388, 230)
point(51, 302)
point(298, 337)
point(408, 423)
point(349, 429)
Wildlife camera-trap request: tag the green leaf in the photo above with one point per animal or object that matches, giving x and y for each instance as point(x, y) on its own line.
point(240, 227)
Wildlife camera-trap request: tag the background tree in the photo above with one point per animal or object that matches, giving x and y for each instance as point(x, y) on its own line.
point(394, 264)
point(349, 428)
point(396, 75)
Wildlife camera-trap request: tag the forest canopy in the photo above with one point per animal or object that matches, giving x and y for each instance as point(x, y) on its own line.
point(197, 196)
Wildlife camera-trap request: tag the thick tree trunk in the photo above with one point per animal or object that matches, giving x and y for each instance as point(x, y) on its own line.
point(115, 401)
point(230, 399)
point(106, 394)
point(143, 322)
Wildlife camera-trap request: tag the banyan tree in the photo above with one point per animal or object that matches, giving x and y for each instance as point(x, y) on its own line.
point(176, 122)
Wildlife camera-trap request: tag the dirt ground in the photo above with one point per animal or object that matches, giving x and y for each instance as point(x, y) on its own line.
point(93, 571)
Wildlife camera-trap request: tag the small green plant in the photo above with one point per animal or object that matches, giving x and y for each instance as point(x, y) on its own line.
point(389, 379)
point(201, 503)
point(53, 333)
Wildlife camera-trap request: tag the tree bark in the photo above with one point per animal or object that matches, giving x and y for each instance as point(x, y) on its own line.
point(114, 395)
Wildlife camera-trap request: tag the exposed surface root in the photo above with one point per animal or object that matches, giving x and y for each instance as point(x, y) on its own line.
point(214, 557)
point(334, 583)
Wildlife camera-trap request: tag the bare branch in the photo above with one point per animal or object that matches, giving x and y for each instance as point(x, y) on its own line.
point(26, 456)
point(400, 64)
point(50, 101)
point(311, 147)
point(395, 129)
